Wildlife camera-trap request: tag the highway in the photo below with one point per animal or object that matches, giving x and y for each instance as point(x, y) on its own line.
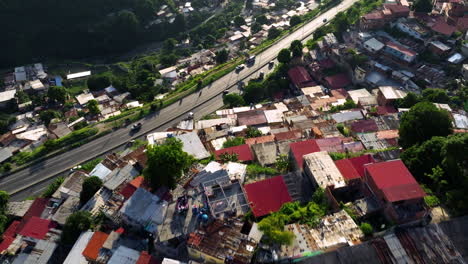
point(32, 180)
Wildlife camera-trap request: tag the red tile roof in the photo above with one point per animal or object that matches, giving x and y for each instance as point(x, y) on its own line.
point(337, 81)
point(300, 77)
point(267, 196)
point(440, 26)
point(347, 169)
point(331, 144)
point(258, 140)
point(132, 186)
point(36, 209)
point(363, 126)
point(7, 240)
point(299, 149)
point(462, 23)
point(353, 168)
point(394, 180)
point(387, 109)
point(11, 230)
point(401, 49)
point(243, 151)
point(91, 252)
point(37, 227)
point(397, 9)
point(295, 134)
point(146, 258)
point(251, 118)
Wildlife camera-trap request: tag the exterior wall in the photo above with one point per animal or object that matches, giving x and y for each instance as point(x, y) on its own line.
point(404, 27)
point(399, 55)
point(372, 24)
point(196, 254)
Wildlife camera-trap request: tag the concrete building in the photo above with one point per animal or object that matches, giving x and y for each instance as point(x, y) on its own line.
point(388, 94)
point(221, 242)
point(398, 51)
point(321, 169)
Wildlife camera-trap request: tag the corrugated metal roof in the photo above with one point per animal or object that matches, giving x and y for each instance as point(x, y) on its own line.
point(267, 196)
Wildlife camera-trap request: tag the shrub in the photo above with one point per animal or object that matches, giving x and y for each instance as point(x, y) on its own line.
point(53, 187)
point(237, 141)
point(366, 228)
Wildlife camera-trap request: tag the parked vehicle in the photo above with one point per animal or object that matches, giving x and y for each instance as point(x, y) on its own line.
point(251, 59)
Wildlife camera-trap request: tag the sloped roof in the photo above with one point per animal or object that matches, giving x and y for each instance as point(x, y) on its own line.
point(251, 118)
point(337, 81)
point(362, 126)
point(300, 77)
point(37, 228)
point(267, 196)
point(299, 149)
point(91, 251)
point(243, 151)
point(353, 168)
point(146, 258)
point(394, 180)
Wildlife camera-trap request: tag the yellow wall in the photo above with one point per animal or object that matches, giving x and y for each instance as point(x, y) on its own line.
point(196, 254)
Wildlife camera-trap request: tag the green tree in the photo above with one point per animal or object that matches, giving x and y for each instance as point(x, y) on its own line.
point(422, 122)
point(57, 94)
point(4, 198)
point(366, 228)
point(408, 101)
point(284, 56)
point(283, 163)
point(47, 115)
point(422, 6)
point(254, 92)
point(98, 82)
point(436, 96)
point(93, 107)
point(144, 9)
point(22, 97)
point(262, 20)
point(222, 56)
point(252, 132)
point(90, 186)
point(53, 187)
point(273, 33)
point(296, 48)
point(295, 20)
point(237, 141)
point(76, 223)
point(166, 163)
point(169, 44)
point(233, 100)
point(239, 21)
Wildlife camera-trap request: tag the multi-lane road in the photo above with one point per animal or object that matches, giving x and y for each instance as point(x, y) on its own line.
point(32, 180)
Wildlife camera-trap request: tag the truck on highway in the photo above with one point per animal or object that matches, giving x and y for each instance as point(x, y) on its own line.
point(251, 60)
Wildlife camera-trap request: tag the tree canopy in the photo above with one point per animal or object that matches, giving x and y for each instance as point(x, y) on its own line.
point(166, 163)
point(284, 56)
point(423, 6)
point(295, 20)
point(76, 223)
point(57, 94)
point(296, 48)
point(4, 197)
point(273, 33)
point(98, 82)
point(93, 107)
point(89, 187)
point(440, 164)
point(222, 56)
point(233, 100)
point(422, 122)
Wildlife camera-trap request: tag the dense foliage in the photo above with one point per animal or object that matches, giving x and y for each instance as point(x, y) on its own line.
point(50, 190)
point(441, 163)
point(233, 100)
point(90, 186)
point(76, 223)
point(423, 121)
point(166, 163)
point(65, 29)
point(273, 225)
point(4, 197)
point(232, 142)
